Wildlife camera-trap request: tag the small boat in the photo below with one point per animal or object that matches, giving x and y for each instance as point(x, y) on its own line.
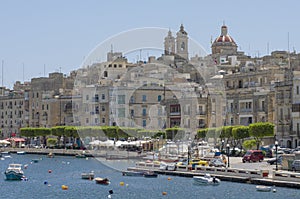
point(88, 176)
point(14, 172)
point(206, 180)
point(133, 173)
point(103, 181)
point(5, 152)
point(35, 160)
point(50, 155)
point(150, 174)
point(80, 156)
point(21, 152)
point(263, 188)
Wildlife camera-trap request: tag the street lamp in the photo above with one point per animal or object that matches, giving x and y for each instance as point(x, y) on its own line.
point(222, 146)
point(227, 148)
point(276, 147)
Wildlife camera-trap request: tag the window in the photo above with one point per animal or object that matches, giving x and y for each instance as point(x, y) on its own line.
point(159, 98)
point(103, 96)
point(297, 90)
point(121, 112)
point(86, 120)
point(131, 99)
point(96, 97)
point(144, 111)
point(103, 120)
point(144, 98)
point(103, 108)
point(132, 113)
point(121, 99)
point(144, 123)
point(87, 97)
point(96, 120)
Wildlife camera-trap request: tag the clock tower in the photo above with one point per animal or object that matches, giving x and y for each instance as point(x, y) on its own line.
point(169, 44)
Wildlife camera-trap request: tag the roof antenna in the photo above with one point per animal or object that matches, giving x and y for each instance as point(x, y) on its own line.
point(111, 48)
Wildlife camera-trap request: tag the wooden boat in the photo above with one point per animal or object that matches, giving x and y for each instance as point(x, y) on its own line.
point(88, 176)
point(133, 173)
point(103, 181)
point(206, 180)
point(14, 172)
point(263, 188)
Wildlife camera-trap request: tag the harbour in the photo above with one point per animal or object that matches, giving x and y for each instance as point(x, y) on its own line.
point(67, 170)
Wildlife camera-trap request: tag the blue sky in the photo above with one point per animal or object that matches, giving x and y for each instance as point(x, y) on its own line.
point(58, 34)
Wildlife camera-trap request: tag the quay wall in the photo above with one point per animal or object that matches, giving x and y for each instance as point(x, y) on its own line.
point(278, 178)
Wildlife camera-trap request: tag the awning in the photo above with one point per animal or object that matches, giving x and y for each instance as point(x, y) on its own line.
point(16, 139)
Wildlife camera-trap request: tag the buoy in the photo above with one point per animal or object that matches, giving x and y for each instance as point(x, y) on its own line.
point(49, 185)
point(126, 185)
point(49, 171)
point(274, 189)
point(109, 196)
point(169, 178)
point(45, 182)
point(25, 166)
point(111, 191)
point(64, 187)
point(122, 183)
point(164, 193)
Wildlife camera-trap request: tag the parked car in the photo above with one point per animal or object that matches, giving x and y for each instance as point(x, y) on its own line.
point(253, 156)
point(217, 162)
point(272, 161)
point(296, 165)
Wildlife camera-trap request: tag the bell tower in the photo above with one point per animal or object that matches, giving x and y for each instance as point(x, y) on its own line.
point(182, 43)
point(169, 44)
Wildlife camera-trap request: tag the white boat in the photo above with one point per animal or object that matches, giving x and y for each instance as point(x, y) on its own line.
point(206, 180)
point(263, 188)
point(21, 152)
point(167, 166)
point(14, 172)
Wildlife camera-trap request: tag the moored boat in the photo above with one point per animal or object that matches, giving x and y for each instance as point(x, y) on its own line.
point(103, 181)
point(21, 152)
point(80, 156)
point(50, 155)
point(150, 174)
point(35, 160)
point(14, 172)
point(88, 176)
point(133, 173)
point(206, 180)
point(263, 188)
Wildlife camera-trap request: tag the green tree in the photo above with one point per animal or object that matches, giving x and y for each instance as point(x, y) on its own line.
point(249, 144)
point(239, 133)
point(260, 130)
point(201, 134)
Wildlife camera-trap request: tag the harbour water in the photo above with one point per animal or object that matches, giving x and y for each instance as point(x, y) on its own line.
point(67, 171)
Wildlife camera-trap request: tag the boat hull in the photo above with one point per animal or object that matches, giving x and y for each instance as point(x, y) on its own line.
point(263, 188)
point(87, 176)
point(11, 175)
point(133, 173)
point(206, 181)
point(102, 181)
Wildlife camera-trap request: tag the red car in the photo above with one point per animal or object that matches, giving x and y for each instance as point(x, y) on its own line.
point(253, 156)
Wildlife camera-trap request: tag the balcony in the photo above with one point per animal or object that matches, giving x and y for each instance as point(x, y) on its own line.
point(174, 113)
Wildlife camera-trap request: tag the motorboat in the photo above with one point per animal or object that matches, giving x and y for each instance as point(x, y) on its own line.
point(133, 173)
point(167, 166)
point(88, 175)
point(80, 156)
point(21, 152)
point(207, 179)
point(14, 172)
point(103, 181)
point(263, 188)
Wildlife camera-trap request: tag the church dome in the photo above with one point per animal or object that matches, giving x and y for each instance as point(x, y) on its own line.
point(224, 44)
point(224, 37)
